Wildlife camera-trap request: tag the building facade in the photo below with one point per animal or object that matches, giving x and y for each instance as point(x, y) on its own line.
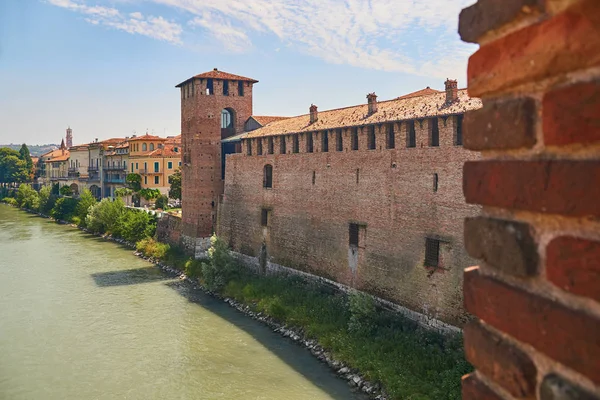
point(368, 196)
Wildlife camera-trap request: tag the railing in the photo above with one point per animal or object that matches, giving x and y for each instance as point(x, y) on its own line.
point(92, 168)
point(93, 178)
point(114, 168)
point(146, 171)
point(111, 179)
point(73, 169)
point(73, 174)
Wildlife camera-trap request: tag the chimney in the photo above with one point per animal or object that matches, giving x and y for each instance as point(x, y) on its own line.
point(372, 101)
point(451, 90)
point(314, 115)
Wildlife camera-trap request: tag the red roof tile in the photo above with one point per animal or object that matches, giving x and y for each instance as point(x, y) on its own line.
point(264, 120)
point(423, 92)
point(216, 74)
point(146, 137)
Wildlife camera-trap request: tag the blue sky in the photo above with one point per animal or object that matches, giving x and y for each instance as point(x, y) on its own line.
point(108, 67)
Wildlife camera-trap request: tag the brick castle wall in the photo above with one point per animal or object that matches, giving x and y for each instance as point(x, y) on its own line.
point(535, 293)
point(201, 150)
point(389, 192)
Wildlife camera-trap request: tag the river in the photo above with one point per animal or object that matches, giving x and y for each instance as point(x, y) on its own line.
point(83, 318)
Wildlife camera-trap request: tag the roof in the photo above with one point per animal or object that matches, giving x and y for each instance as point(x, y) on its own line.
point(146, 137)
point(166, 151)
point(413, 106)
point(264, 120)
point(61, 157)
point(216, 74)
point(176, 140)
point(235, 138)
point(423, 92)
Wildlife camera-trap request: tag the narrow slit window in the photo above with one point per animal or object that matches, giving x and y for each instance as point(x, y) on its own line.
point(259, 146)
point(225, 88)
point(354, 139)
point(264, 217)
point(390, 137)
point(353, 235)
point(209, 86)
point(270, 145)
point(325, 142)
point(432, 252)
point(314, 177)
point(435, 182)
point(411, 135)
point(372, 145)
point(459, 136)
point(268, 176)
point(296, 144)
point(309, 142)
point(282, 149)
point(249, 147)
point(434, 132)
point(339, 143)
point(240, 88)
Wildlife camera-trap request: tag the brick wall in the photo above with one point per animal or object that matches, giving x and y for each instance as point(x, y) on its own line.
point(201, 151)
point(388, 192)
point(536, 292)
point(168, 229)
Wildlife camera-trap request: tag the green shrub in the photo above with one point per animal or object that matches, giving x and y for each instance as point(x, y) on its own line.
point(135, 225)
point(47, 200)
point(66, 191)
point(76, 220)
point(86, 201)
point(162, 202)
point(362, 312)
point(28, 198)
point(151, 248)
point(221, 266)
point(104, 217)
point(10, 201)
point(193, 268)
point(64, 208)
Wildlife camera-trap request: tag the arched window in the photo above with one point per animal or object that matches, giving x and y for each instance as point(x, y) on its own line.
point(144, 147)
point(151, 146)
point(268, 176)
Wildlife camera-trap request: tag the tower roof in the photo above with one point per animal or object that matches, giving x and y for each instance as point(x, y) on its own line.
point(216, 74)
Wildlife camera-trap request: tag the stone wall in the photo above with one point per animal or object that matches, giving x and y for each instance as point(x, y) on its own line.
point(536, 293)
point(168, 229)
point(389, 193)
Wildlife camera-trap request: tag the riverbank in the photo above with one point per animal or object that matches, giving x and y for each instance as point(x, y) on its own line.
point(396, 358)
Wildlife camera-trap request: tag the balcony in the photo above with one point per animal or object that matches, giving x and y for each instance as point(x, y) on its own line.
point(114, 179)
point(73, 174)
point(145, 171)
point(115, 168)
point(93, 178)
point(93, 168)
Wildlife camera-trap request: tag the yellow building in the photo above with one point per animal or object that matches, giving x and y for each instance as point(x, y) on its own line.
point(54, 165)
point(154, 159)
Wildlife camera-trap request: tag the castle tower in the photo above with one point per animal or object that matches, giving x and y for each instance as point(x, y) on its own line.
point(214, 106)
point(69, 137)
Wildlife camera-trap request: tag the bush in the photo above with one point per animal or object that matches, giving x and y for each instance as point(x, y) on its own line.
point(47, 200)
point(136, 225)
point(362, 313)
point(104, 217)
point(162, 202)
point(151, 248)
point(86, 201)
point(10, 201)
point(64, 209)
point(66, 191)
point(220, 266)
point(193, 268)
point(28, 198)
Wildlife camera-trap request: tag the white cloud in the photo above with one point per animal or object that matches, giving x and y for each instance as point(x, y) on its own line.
point(375, 34)
point(154, 27)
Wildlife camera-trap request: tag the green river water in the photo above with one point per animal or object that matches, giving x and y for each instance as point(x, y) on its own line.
point(83, 318)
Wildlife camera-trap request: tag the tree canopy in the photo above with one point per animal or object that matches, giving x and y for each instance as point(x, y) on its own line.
point(175, 181)
point(13, 169)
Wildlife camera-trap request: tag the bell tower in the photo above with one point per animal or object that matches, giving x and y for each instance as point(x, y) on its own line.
point(69, 137)
point(214, 106)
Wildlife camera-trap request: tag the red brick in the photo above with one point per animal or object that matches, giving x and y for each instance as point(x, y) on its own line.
point(572, 114)
point(508, 246)
point(474, 389)
point(570, 188)
point(487, 15)
point(499, 360)
point(574, 265)
point(508, 124)
point(569, 336)
point(568, 42)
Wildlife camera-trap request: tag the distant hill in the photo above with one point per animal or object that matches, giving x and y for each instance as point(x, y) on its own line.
point(34, 149)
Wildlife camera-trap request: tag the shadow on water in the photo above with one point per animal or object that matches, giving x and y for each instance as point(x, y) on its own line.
point(127, 277)
point(301, 361)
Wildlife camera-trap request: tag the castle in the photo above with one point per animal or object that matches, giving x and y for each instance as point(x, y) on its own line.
point(368, 196)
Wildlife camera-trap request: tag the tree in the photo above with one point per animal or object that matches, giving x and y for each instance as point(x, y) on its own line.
point(149, 194)
point(47, 200)
point(25, 156)
point(124, 192)
point(12, 168)
point(28, 198)
point(175, 181)
point(134, 182)
point(66, 191)
point(86, 201)
point(162, 202)
point(136, 225)
point(104, 216)
point(64, 209)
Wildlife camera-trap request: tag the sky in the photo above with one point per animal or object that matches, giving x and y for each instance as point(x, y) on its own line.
point(108, 68)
